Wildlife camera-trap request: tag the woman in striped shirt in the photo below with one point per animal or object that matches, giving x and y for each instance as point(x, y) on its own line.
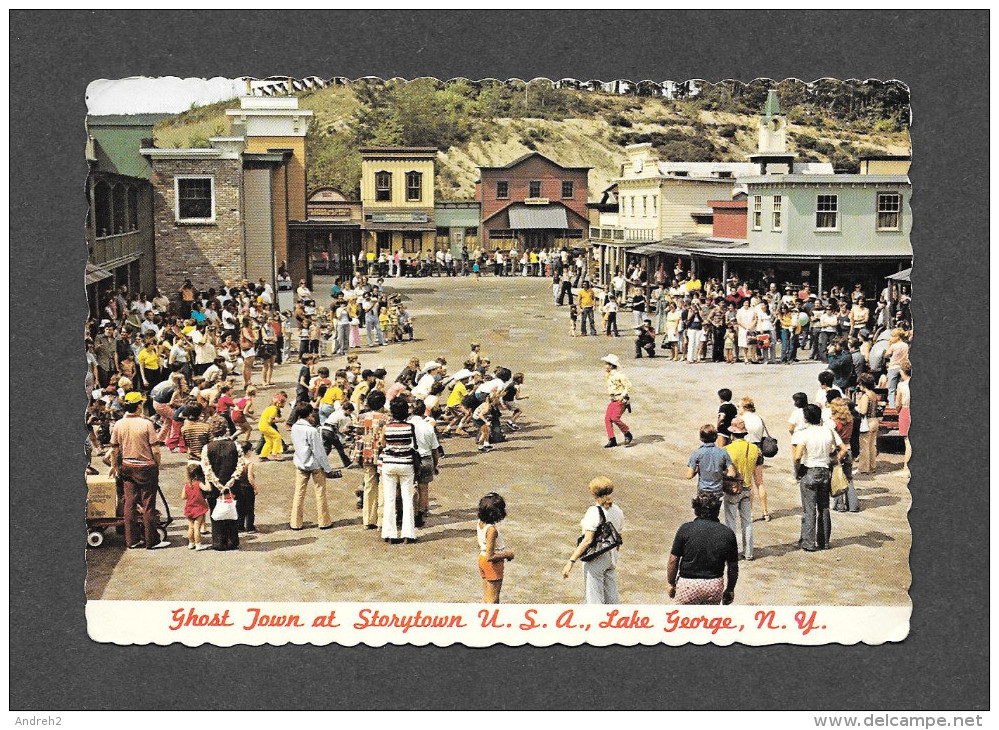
point(398, 441)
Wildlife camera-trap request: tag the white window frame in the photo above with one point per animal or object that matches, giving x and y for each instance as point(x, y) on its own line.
point(419, 186)
point(878, 211)
point(645, 206)
point(176, 198)
point(757, 212)
point(777, 219)
point(655, 202)
point(835, 196)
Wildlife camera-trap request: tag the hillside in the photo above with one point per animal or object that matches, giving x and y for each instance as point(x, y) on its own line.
point(492, 123)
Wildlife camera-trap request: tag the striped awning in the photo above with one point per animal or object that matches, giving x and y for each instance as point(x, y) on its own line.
point(528, 217)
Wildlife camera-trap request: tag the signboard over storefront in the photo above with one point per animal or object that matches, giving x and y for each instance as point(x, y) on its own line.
point(398, 217)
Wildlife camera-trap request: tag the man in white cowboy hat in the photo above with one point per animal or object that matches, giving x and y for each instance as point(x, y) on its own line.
point(619, 390)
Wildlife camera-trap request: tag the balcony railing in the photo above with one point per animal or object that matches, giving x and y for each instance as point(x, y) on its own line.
point(607, 234)
point(622, 235)
point(108, 249)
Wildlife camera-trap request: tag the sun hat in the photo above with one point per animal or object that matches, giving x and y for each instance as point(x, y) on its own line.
point(134, 396)
point(738, 426)
point(612, 360)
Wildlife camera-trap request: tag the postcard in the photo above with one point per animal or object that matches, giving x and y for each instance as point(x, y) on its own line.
point(498, 362)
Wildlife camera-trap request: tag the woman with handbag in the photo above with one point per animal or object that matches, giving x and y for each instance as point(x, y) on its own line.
point(867, 404)
point(842, 422)
point(225, 474)
point(598, 546)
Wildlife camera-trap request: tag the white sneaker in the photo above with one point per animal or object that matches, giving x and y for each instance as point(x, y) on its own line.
point(191, 546)
point(203, 546)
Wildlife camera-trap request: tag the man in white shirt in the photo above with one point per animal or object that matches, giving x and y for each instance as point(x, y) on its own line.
point(214, 372)
point(617, 284)
point(149, 325)
point(814, 449)
point(428, 446)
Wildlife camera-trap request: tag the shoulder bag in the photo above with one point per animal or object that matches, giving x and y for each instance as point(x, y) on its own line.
point(839, 481)
point(768, 444)
point(605, 538)
point(735, 485)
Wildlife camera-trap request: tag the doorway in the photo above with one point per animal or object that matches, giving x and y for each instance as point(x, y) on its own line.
point(383, 243)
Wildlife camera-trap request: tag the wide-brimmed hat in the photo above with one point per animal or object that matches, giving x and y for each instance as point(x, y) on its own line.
point(738, 426)
point(133, 396)
point(612, 360)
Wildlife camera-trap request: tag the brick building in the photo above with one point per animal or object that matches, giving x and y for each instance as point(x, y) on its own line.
point(532, 203)
point(222, 212)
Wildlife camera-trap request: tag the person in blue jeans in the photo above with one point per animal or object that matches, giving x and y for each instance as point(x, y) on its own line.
point(342, 318)
point(371, 322)
point(815, 446)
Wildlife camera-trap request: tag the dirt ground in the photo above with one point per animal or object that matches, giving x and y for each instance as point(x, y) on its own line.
point(542, 472)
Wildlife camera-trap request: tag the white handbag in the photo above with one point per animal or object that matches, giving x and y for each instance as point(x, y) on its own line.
point(865, 426)
point(225, 508)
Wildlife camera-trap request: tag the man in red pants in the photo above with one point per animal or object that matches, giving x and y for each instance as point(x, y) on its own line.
point(135, 456)
point(618, 388)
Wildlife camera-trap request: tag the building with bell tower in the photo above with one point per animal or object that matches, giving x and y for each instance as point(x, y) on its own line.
point(772, 155)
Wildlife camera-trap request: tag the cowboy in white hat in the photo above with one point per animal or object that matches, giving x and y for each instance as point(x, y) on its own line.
point(619, 390)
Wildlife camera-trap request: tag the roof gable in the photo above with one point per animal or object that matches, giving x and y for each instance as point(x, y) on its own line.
point(523, 158)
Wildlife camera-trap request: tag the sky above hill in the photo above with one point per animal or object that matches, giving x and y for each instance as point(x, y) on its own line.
point(141, 95)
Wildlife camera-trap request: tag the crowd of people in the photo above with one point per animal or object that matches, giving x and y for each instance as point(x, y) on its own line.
point(698, 321)
point(180, 374)
point(186, 400)
point(469, 262)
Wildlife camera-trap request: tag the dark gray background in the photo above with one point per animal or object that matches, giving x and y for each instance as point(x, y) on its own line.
point(944, 57)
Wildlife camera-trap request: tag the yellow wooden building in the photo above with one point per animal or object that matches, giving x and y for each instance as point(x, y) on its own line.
point(397, 197)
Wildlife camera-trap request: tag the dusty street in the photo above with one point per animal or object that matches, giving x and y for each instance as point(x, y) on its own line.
point(542, 471)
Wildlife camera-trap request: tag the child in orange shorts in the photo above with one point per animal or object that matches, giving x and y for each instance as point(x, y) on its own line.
point(492, 552)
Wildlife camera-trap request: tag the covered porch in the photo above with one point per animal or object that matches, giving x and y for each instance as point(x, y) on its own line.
point(726, 258)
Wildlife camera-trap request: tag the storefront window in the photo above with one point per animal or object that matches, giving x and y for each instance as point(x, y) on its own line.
point(412, 242)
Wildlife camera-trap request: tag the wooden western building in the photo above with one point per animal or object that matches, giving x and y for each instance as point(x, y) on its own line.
point(328, 241)
point(120, 232)
point(397, 197)
point(533, 203)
